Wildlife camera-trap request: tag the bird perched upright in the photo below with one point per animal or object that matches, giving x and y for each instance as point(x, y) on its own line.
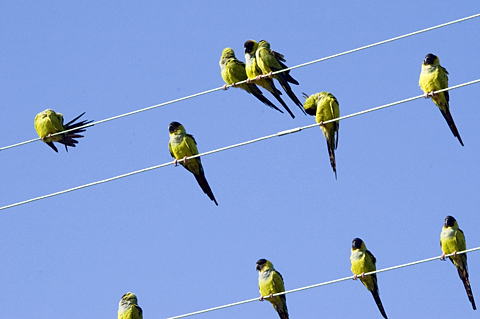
point(363, 262)
point(434, 77)
point(325, 107)
point(128, 307)
point(49, 122)
point(270, 282)
point(254, 72)
point(452, 241)
point(270, 61)
point(183, 145)
point(233, 71)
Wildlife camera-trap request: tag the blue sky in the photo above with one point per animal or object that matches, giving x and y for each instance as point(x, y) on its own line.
point(400, 170)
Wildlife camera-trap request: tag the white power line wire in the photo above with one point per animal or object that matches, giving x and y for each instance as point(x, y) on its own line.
point(294, 130)
point(320, 284)
point(280, 71)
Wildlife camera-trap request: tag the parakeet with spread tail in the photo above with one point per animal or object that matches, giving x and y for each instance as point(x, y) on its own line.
point(270, 282)
point(363, 262)
point(434, 77)
point(183, 145)
point(128, 307)
point(452, 240)
point(49, 122)
point(254, 72)
point(233, 71)
point(325, 107)
point(270, 61)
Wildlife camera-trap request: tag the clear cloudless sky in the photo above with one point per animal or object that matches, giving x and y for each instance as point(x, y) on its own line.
point(400, 170)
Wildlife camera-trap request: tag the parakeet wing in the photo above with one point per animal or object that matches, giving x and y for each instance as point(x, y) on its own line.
point(192, 144)
point(443, 81)
point(170, 149)
point(278, 282)
point(460, 239)
point(372, 257)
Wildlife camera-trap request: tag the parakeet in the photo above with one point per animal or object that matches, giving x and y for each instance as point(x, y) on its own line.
point(270, 61)
point(128, 307)
point(182, 145)
point(233, 71)
point(48, 122)
point(254, 71)
point(325, 107)
point(452, 241)
point(271, 282)
point(363, 262)
point(434, 77)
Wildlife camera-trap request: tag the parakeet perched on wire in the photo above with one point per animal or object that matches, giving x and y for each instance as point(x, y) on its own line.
point(363, 262)
point(452, 241)
point(325, 107)
point(183, 145)
point(49, 122)
point(434, 77)
point(270, 282)
point(254, 72)
point(233, 71)
point(270, 61)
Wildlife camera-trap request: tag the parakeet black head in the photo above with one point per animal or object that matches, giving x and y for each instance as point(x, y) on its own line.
point(260, 264)
point(357, 243)
point(430, 59)
point(172, 127)
point(449, 221)
point(249, 46)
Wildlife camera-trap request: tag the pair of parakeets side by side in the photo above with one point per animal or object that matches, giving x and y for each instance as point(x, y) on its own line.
point(452, 240)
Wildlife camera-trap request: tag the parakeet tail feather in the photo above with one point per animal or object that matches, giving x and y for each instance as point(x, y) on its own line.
point(288, 90)
point(331, 152)
point(258, 94)
point(281, 309)
point(376, 296)
point(448, 117)
point(464, 276)
point(202, 181)
point(279, 99)
point(69, 138)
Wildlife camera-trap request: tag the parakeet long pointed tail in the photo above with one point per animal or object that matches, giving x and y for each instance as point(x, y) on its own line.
point(258, 94)
point(448, 117)
point(464, 276)
point(287, 75)
point(202, 181)
point(69, 137)
point(376, 296)
point(284, 83)
point(281, 309)
point(331, 151)
point(52, 146)
point(279, 99)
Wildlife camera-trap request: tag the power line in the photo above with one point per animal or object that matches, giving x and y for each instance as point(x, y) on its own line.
point(280, 71)
point(290, 131)
point(320, 284)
